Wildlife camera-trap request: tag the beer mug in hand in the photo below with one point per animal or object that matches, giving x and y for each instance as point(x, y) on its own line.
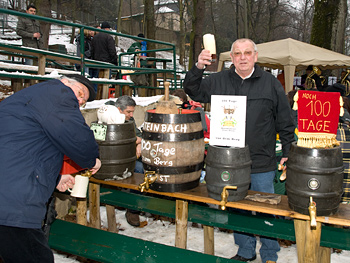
point(209, 44)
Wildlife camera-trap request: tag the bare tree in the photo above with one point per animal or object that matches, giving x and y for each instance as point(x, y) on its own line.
point(44, 9)
point(338, 29)
point(326, 13)
point(182, 33)
point(150, 24)
point(198, 13)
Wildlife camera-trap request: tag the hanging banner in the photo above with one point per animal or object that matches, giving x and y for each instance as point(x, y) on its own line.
point(228, 120)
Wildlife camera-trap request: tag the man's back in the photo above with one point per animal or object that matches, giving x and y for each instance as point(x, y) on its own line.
point(104, 48)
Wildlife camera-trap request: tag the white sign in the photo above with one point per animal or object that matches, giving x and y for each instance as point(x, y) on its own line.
point(228, 120)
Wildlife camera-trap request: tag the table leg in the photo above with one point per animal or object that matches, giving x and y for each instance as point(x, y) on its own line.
point(308, 241)
point(324, 255)
point(208, 240)
point(94, 205)
point(81, 211)
point(112, 223)
point(181, 224)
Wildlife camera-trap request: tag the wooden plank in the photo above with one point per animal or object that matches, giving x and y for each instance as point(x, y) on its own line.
point(200, 194)
point(104, 246)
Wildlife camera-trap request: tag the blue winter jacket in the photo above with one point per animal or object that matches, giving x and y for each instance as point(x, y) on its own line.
point(39, 124)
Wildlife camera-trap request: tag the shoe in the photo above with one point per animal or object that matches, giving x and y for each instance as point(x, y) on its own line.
point(270, 261)
point(132, 219)
point(239, 258)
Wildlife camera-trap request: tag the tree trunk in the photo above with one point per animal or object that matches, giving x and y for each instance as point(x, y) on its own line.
point(44, 9)
point(326, 12)
point(197, 30)
point(338, 30)
point(182, 34)
point(150, 25)
point(131, 26)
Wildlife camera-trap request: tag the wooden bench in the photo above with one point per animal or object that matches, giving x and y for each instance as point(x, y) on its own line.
point(104, 246)
point(260, 224)
point(312, 246)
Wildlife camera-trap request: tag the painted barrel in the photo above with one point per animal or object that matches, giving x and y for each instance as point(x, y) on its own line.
point(317, 173)
point(173, 146)
point(117, 151)
point(228, 166)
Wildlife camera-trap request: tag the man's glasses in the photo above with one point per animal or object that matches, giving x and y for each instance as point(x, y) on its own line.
point(247, 53)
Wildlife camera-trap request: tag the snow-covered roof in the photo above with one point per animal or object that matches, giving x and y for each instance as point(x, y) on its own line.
point(164, 10)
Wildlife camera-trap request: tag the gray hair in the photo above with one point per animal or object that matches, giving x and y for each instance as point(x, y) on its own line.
point(125, 101)
point(244, 40)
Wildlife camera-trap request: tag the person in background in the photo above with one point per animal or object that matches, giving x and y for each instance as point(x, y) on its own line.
point(268, 113)
point(103, 46)
point(126, 106)
point(29, 30)
point(312, 80)
point(41, 124)
point(103, 49)
point(281, 79)
point(138, 46)
point(88, 35)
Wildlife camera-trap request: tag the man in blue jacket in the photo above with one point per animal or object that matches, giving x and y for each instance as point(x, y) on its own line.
point(268, 113)
point(39, 124)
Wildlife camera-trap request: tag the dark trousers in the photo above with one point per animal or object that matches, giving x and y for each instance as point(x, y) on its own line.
point(24, 245)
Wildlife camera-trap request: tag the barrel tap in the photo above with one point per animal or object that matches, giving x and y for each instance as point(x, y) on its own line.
point(224, 196)
point(148, 180)
point(312, 212)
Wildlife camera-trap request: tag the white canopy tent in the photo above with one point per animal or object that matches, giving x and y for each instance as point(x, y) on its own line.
point(292, 55)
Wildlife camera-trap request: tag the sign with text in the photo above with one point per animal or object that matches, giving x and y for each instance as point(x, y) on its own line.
point(228, 120)
point(318, 112)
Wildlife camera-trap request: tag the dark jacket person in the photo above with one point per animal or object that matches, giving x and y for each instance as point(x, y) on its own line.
point(39, 124)
point(103, 46)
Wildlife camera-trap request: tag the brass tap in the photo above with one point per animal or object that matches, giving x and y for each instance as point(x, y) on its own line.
point(148, 180)
point(224, 196)
point(312, 212)
point(87, 173)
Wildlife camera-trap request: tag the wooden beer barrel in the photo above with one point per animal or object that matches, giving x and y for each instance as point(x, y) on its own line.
point(173, 146)
point(228, 166)
point(117, 151)
point(317, 173)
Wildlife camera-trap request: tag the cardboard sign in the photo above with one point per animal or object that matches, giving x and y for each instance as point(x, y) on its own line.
point(228, 120)
point(318, 112)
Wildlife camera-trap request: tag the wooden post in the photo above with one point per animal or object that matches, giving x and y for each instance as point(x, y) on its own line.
point(17, 84)
point(308, 241)
point(41, 64)
point(94, 205)
point(181, 224)
point(112, 223)
point(208, 240)
point(81, 211)
point(105, 75)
